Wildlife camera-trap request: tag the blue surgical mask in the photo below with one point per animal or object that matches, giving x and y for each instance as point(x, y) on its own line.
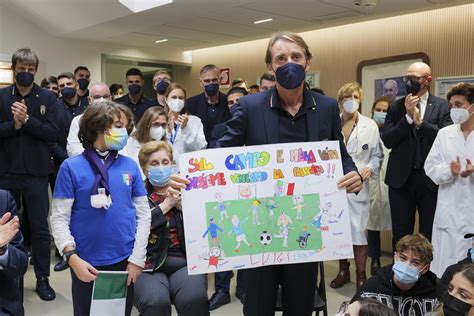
point(68, 92)
point(404, 273)
point(379, 117)
point(471, 254)
point(211, 89)
point(24, 78)
point(160, 176)
point(116, 139)
point(161, 87)
point(134, 89)
point(290, 76)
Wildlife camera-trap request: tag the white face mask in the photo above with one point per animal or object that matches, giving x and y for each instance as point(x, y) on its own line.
point(157, 132)
point(176, 105)
point(350, 106)
point(460, 115)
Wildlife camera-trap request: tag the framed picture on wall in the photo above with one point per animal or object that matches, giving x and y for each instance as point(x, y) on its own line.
point(312, 79)
point(6, 75)
point(384, 77)
point(445, 83)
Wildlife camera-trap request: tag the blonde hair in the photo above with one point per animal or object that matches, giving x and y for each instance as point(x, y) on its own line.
point(142, 133)
point(152, 147)
point(347, 89)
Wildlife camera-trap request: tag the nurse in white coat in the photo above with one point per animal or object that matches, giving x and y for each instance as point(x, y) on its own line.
point(185, 132)
point(362, 138)
point(450, 165)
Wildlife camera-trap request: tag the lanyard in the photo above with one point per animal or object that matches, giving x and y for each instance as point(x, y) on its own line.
point(173, 135)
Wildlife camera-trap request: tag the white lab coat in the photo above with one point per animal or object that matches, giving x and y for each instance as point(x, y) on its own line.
point(364, 148)
point(131, 150)
point(454, 215)
point(74, 146)
point(188, 139)
point(379, 215)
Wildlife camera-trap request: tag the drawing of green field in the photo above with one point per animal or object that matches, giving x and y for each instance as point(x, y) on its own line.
point(250, 221)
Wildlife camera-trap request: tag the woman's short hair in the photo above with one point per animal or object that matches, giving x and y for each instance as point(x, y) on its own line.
point(287, 36)
point(418, 244)
point(152, 147)
point(347, 89)
point(142, 133)
point(173, 86)
point(100, 116)
point(465, 89)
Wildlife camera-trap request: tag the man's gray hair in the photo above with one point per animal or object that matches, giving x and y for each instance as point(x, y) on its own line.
point(25, 56)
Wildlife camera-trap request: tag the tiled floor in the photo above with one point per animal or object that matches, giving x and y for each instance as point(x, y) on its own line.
point(61, 282)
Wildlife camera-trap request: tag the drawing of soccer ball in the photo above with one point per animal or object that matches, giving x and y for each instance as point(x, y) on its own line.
point(265, 238)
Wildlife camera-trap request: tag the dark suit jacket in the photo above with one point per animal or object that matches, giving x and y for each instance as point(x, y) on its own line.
point(197, 105)
point(255, 122)
point(34, 136)
point(398, 136)
point(10, 275)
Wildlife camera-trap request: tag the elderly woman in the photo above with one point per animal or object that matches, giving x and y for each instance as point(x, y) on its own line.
point(100, 218)
point(167, 281)
point(362, 139)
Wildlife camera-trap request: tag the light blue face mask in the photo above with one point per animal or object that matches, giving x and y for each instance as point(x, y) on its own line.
point(471, 252)
point(116, 139)
point(379, 117)
point(404, 273)
point(160, 176)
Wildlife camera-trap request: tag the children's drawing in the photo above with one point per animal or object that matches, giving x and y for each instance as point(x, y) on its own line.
point(255, 208)
point(212, 230)
point(221, 206)
point(265, 238)
point(283, 222)
point(264, 205)
point(239, 232)
point(298, 201)
point(303, 237)
point(271, 206)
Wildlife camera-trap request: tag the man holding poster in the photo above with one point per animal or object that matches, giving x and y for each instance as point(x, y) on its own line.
point(288, 113)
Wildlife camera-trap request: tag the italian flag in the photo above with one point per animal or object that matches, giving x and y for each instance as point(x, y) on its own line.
point(109, 294)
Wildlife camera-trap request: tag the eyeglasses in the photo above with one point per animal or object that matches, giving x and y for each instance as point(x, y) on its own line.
point(96, 97)
point(409, 78)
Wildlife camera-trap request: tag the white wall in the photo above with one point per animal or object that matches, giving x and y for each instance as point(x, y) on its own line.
point(57, 54)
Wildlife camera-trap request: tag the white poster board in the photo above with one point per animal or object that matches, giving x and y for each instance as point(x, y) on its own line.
point(264, 205)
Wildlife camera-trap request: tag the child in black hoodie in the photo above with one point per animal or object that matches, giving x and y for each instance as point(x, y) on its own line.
point(407, 286)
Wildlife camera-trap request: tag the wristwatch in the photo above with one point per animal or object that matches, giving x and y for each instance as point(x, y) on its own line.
point(27, 117)
point(3, 250)
point(68, 254)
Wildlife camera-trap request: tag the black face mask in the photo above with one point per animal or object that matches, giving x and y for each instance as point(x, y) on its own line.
point(453, 306)
point(412, 86)
point(83, 83)
point(24, 79)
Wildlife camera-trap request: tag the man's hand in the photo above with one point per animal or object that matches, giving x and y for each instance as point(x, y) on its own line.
point(183, 120)
point(365, 173)
point(456, 167)
point(417, 117)
point(134, 272)
point(83, 269)
point(410, 104)
point(19, 112)
point(469, 169)
point(8, 229)
point(351, 182)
